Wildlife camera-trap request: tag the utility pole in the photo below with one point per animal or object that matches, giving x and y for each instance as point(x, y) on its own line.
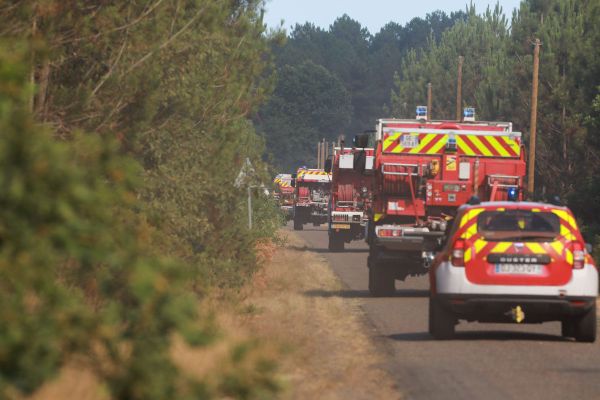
point(318, 154)
point(459, 89)
point(323, 145)
point(429, 113)
point(532, 134)
point(249, 207)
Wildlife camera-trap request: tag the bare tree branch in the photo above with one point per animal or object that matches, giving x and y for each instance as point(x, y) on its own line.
point(168, 41)
point(110, 70)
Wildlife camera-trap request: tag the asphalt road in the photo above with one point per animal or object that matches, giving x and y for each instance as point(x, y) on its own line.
point(485, 361)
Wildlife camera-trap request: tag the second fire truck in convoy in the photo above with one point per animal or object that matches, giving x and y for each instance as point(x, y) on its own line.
point(284, 194)
point(351, 191)
point(312, 188)
point(424, 170)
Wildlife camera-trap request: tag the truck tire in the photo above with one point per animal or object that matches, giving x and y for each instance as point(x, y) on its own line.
point(336, 242)
point(584, 327)
point(298, 226)
point(441, 321)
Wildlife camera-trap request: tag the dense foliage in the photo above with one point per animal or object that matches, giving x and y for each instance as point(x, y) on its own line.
point(364, 65)
point(124, 127)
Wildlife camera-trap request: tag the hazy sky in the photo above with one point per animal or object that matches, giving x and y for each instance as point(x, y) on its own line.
point(370, 13)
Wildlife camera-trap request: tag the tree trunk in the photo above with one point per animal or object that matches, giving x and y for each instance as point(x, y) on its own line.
point(32, 72)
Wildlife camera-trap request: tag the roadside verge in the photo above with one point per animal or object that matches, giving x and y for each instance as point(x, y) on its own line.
point(330, 354)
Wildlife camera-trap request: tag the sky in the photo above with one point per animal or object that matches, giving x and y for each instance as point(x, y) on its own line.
point(373, 14)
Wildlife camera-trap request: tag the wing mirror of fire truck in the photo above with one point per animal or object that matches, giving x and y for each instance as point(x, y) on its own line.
point(328, 165)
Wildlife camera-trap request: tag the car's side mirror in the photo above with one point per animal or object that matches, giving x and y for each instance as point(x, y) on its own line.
point(589, 248)
point(328, 165)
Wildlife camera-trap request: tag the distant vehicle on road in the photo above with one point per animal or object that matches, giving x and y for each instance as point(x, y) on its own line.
point(284, 194)
point(514, 262)
point(351, 193)
point(312, 189)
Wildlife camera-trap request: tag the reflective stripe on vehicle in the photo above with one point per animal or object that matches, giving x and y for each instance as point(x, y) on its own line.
point(434, 143)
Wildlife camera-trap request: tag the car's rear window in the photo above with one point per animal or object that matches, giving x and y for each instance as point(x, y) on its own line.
point(518, 225)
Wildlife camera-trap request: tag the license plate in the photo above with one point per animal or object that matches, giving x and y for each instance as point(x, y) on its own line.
point(519, 269)
point(409, 141)
point(340, 226)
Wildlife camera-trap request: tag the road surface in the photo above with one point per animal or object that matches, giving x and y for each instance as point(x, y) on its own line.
point(485, 361)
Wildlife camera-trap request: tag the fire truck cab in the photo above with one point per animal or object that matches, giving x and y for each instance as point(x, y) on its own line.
point(312, 189)
point(424, 170)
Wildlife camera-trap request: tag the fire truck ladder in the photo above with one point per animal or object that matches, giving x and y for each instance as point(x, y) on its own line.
point(502, 182)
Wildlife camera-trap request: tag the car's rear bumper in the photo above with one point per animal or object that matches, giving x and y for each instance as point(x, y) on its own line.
point(453, 280)
point(532, 309)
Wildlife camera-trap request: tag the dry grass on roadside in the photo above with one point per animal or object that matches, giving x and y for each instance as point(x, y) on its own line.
point(73, 382)
point(330, 354)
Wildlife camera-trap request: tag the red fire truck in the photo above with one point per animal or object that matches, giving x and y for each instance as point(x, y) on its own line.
point(312, 188)
point(284, 194)
point(424, 170)
point(351, 193)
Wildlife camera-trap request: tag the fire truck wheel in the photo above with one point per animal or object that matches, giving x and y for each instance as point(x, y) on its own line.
point(381, 281)
point(584, 327)
point(298, 224)
point(336, 242)
point(441, 322)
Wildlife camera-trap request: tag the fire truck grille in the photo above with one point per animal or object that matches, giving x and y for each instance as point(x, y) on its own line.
point(341, 218)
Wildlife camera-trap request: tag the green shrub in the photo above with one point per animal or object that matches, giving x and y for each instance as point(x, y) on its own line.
point(78, 270)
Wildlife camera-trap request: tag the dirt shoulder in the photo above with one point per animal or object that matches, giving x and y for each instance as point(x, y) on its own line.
point(330, 354)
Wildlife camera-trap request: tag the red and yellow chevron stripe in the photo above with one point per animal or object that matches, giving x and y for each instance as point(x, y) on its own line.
point(304, 172)
point(556, 249)
point(469, 145)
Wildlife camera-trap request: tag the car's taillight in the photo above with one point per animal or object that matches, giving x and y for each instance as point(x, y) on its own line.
point(578, 255)
point(458, 253)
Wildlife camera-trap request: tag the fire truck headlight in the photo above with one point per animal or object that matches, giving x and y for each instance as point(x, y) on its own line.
point(513, 194)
